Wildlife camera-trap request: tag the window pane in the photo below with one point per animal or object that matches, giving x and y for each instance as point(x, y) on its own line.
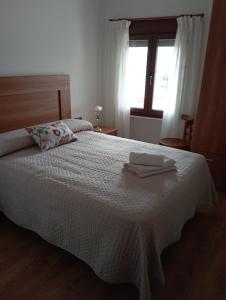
point(163, 73)
point(137, 65)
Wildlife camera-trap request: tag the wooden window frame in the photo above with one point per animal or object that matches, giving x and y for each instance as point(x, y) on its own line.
point(151, 30)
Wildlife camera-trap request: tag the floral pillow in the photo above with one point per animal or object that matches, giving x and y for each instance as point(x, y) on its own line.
point(51, 135)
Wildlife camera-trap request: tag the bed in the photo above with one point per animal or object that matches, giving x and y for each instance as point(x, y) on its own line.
point(79, 197)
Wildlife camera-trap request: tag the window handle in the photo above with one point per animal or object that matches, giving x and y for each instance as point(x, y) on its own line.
point(151, 80)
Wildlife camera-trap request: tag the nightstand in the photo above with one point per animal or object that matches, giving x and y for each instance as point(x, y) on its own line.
point(110, 131)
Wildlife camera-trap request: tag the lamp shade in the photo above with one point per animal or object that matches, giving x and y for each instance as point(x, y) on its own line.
point(98, 108)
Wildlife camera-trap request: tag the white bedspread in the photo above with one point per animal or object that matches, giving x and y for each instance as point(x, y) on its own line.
point(78, 197)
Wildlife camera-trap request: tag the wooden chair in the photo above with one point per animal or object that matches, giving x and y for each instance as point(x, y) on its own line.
point(184, 143)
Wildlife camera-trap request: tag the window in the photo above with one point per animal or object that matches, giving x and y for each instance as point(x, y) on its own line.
point(163, 73)
point(150, 55)
point(137, 65)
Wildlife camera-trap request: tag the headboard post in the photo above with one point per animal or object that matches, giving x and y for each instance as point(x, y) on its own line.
point(64, 97)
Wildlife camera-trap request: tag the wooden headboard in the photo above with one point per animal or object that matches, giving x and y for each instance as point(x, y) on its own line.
point(30, 100)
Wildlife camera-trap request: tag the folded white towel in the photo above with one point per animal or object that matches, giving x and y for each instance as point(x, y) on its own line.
point(146, 159)
point(167, 165)
point(145, 171)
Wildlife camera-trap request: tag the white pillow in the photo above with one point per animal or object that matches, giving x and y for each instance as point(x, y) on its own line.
point(77, 125)
point(14, 140)
point(19, 139)
point(51, 135)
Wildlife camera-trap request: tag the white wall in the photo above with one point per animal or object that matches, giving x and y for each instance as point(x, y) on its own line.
point(152, 8)
point(54, 37)
point(143, 128)
point(65, 36)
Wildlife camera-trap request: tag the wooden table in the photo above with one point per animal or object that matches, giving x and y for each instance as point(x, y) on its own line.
point(110, 131)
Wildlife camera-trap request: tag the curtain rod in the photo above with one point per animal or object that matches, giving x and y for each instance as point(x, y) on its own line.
point(156, 18)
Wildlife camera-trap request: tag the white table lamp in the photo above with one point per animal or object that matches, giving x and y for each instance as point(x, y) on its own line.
point(98, 109)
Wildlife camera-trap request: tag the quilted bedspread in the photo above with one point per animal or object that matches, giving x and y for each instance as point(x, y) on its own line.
point(79, 197)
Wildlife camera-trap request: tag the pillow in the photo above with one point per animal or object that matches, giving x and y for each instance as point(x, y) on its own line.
point(51, 135)
point(78, 125)
point(14, 140)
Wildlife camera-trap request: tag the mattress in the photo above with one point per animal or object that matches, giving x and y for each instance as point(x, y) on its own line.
point(79, 197)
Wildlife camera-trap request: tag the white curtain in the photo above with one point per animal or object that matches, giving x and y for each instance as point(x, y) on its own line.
point(117, 109)
point(185, 84)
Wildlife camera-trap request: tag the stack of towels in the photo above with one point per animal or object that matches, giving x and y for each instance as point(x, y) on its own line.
point(144, 164)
